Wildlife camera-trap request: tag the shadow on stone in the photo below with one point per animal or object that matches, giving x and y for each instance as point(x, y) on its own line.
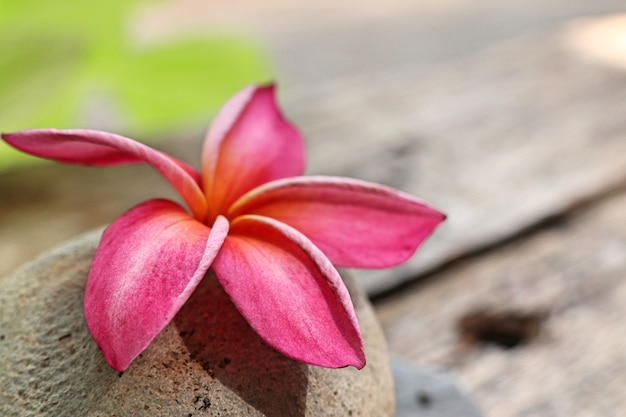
point(207, 362)
point(222, 342)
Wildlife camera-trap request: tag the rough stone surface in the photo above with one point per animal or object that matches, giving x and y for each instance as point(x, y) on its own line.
point(207, 363)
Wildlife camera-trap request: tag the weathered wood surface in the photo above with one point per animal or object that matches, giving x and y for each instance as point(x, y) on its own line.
point(313, 42)
point(575, 271)
point(45, 205)
point(502, 140)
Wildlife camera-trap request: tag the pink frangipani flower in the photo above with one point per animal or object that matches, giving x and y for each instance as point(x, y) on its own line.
point(270, 235)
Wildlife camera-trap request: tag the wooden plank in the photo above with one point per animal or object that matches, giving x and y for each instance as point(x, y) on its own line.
point(42, 206)
point(325, 39)
point(500, 141)
point(574, 271)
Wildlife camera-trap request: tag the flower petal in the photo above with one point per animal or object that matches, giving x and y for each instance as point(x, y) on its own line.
point(290, 293)
point(249, 143)
point(91, 147)
point(355, 223)
point(147, 265)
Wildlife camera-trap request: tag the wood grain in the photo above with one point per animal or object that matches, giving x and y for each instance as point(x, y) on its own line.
point(575, 271)
point(500, 142)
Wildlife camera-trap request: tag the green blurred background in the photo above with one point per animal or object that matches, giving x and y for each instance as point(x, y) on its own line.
point(74, 64)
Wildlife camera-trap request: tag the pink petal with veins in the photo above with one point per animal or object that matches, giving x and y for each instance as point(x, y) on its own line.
point(147, 265)
point(92, 147)
point(290, 293)
point(355, 223)
point(249, 143)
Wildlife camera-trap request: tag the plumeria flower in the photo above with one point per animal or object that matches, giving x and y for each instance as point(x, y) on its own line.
point(270, 235)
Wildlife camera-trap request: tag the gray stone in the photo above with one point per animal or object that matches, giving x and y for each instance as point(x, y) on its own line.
point(208, 362)
point(429, 392)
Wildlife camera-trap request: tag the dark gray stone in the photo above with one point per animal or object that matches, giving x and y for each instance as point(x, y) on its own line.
point(429, 392)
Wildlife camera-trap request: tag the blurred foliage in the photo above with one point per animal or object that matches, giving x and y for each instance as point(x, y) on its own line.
point(58, 57)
